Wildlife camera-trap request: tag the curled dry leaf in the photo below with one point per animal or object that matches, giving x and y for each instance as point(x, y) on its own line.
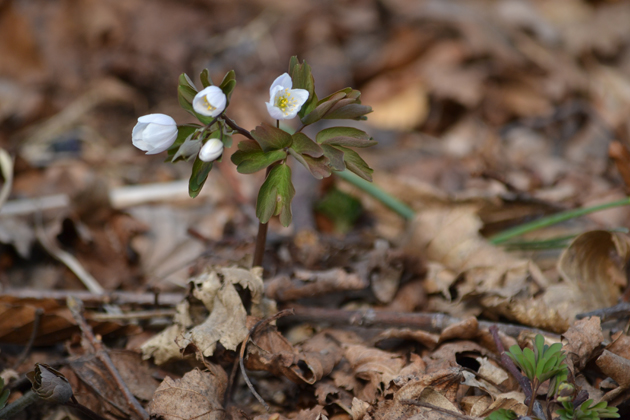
point(594, 265)
point(620, 345)
point(581, 340)
point(618, 368)
point(49, 384)
point(197, 395)
point(226, 323)
point(309, 363)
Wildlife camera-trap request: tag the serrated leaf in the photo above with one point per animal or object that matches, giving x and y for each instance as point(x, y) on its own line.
point(303, 79)
point(356, 164)
point(345, 136)
point(335, 156)
point(253, 160)
point(275, 195)
point(205, 78)
point(303, 145)
point(271, 138)
point(318, 167)
point(200, 171)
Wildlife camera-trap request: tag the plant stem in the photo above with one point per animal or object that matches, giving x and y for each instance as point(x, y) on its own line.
point(398, 206)
point(554, 219)
point(20, 404)
point(261, 237)
point(236, 127)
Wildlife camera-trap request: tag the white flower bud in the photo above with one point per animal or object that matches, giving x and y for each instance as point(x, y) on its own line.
point(211, 150)
point(210, 102)
point(154, 133)
point(285, 103)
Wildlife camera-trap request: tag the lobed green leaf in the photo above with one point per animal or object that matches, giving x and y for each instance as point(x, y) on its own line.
point(205, 78)
point(303, 145)
point(356, 164)
point(318, 167)
point(303, 79)
point(345, 136)
point(275, 195)
point(200, 171)
point(271, 138)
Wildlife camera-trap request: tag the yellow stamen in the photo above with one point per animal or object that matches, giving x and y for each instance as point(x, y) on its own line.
point(209, 105)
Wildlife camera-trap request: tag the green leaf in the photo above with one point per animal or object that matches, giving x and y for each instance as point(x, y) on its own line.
point(322, 108)
point(303, 145)
point(539, 345)
point(502, 414)
point(345, 136)
point(250, 158)
point(335, 156)
point(183, 133)
point(318, 167)
point(200, 171)
point(185, 81)
point(205, 78)
point(303, 79)
point(275, 195)
point(530, 363)
point(4, 396)
point(228, 84)
point(346, 109)
point(356, 164)
point(271, 138)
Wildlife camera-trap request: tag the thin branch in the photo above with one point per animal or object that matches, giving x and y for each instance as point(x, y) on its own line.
point(251, 332)
point(95, 300)
point(433, 322)
point(238, 128)
point(96, 347)
point(509, 364)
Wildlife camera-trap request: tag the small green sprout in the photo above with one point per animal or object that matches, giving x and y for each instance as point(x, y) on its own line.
point(587, 411)
point(502, 414)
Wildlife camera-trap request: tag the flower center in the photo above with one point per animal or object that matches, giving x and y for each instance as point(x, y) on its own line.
point(208, 104)
point(285, 102)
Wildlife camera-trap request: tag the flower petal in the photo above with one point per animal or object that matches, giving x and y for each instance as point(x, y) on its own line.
point(211, 150)
point(274, 111)
point(209, 102)
point(284, 81)
point(157, 119)
point(301, 95)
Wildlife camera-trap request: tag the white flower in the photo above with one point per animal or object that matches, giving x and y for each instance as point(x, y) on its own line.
point(285, 102)
point(209, 102)
point(211, 150)
point(154, 133)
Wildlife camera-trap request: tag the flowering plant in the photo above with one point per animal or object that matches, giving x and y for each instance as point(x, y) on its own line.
point(267, 146)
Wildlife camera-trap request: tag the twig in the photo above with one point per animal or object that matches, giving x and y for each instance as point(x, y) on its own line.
point(251, 332)
point(95, 300)
point(238, 128)
point(96, 346)
point(136, 315)
point(617, 311)
point(433, 322)
point(437, 408)
point(38, 316)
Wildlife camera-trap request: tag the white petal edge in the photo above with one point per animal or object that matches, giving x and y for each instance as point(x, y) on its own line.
point(284, 81)
point(274, 111)
point(161, 119)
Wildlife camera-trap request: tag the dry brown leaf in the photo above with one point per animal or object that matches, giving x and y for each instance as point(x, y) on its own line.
point(226, 323)
point(428, 340)
point(359, 409)
point(509, 401)
point(594, 265)
point(620, 345)
point(618, 368)
point(581, 340)
point(197, 395)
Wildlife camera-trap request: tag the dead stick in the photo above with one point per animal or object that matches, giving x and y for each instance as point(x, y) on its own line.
point(92, 299)
point(251, 332)
point(76, 307)
point(432, 322)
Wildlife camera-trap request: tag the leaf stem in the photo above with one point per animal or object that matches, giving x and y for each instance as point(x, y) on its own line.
point(554, 219)
point(20, 404)
point(238, 128)
point(261, 237)
point(393, 203)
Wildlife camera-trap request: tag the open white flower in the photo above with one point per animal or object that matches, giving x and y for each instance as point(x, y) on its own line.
point(211, 150)
point(210, 101)
point(285, 102)
point(154, 133)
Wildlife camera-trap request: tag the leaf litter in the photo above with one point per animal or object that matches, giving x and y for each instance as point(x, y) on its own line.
point(488, 114)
